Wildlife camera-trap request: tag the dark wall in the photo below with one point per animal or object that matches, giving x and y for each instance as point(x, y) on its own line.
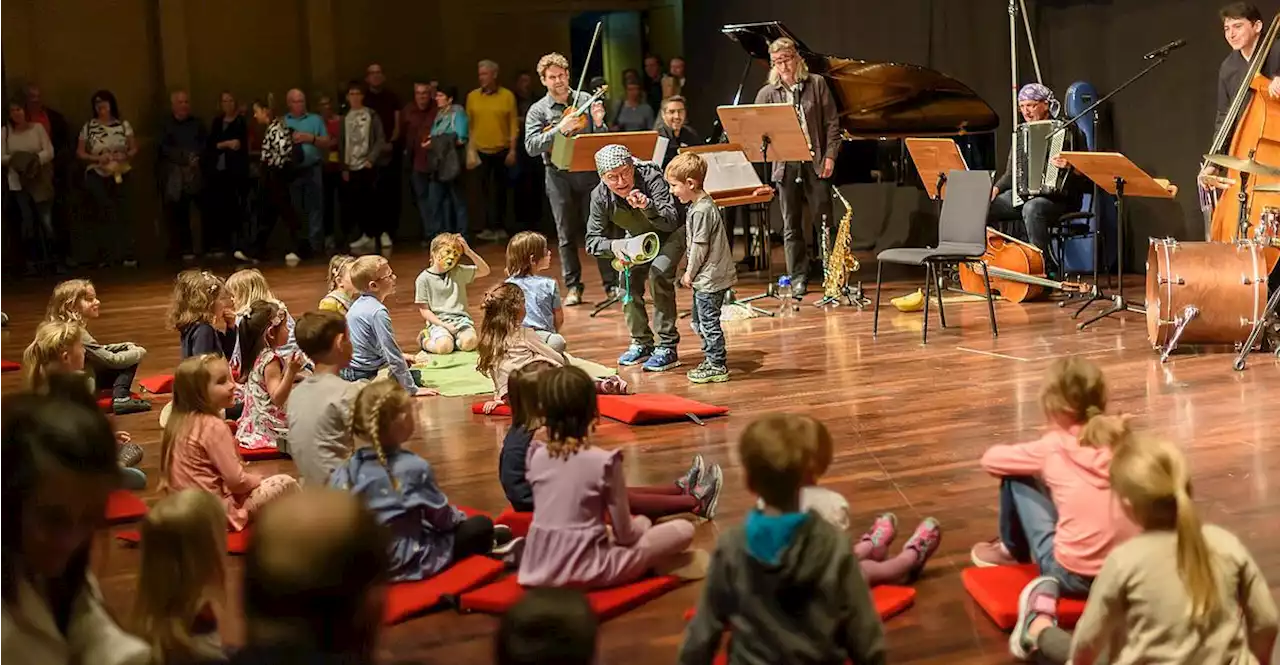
point(1163, 122)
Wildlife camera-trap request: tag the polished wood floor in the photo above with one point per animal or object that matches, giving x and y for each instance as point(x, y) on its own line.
point(910, 422)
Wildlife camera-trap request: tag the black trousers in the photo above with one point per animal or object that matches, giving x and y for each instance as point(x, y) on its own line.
point(388, 192)
point(360, 201)
point(178, 213)
point(226, 224)
point(473, 536)
point(529, 194)
point(273, 203)
point(493, 188)
point(120, 380)
point(331, 191)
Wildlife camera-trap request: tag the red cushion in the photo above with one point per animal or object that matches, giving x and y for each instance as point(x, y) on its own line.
point(890, 601)
point(261, 454)
point(654, 408)
point(158, 384)
point(498, 597)
point(996, 590)
point(124, 506)
point(502, 410)
point(104, 398)
point(407, 599)
point(9, 366)
point(518, 522)
point(237, 541)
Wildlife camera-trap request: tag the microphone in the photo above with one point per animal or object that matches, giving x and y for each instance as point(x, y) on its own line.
point(1164, 50)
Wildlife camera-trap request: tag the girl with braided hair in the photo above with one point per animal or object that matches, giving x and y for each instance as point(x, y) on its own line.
point(1056, 505)
point(428, 534)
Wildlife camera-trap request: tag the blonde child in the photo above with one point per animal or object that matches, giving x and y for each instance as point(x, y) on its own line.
point(785, 573)
point(59, 470)
point(441, 295)
point(181, 583)
point(575, 486)
point(399, 487)
point(506, 345)
point(373, 341)
point(250, 286)
point(1179, 592)
point(1056, 505)
point(341, 291)
point(197, 450)
point(269, 379)
point(203, 314)
point(112, 365)
point(709, 267)
point(528, 254)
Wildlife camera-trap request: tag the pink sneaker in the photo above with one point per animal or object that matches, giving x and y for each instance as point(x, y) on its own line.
point(925, 541)
point(991, 554)
point(880, 536)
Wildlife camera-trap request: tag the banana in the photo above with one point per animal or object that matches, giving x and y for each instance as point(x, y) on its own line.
point(912, 302)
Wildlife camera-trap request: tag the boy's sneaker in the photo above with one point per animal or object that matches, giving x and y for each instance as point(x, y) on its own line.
point(128, 405)
point(881, 535)
point(691, 477)
point(707, 492)
point(634, 355)
point(1038, 598)
point(129, 455)
point(991, 554)
point(661, 360)
point(708, 373)
point(925, 541)
point(574, 297)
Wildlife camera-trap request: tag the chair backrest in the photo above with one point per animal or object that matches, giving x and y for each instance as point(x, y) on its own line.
point(964, 211)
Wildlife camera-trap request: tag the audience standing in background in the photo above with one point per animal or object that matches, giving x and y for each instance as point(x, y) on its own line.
point(671, 126)
point(653, 81)
point(277, 155)
point(494, 121)
point(415, 128)
point(632, 114)
point(305, 187)
point(337, 227)
point(106, 145)
point(226, 178)
point(28, 157)
point(364, 150)
point(314, 582)
point(387, 105)
point(182, 141)
point(528, 170)
point(673, 82)
point(449, 133)
point(630, 75)
point(64, 153)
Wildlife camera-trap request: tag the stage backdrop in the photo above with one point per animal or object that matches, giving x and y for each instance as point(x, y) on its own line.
point(1163, 122)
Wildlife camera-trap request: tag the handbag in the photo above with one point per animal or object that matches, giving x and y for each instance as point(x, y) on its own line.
point(444, 158)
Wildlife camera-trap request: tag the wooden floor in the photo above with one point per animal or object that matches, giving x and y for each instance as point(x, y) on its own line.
point(910, 423)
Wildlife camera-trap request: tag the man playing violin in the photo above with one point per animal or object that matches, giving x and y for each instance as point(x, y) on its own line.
point(547, 117)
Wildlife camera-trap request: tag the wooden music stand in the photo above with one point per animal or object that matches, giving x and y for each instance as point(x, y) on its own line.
point(731, 179)
point(1115, 174)
point(766, 132)
point(578, 152)
point(934, 158)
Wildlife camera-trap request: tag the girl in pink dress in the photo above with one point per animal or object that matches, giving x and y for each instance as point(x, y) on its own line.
point(263, 423)
point(575, 485)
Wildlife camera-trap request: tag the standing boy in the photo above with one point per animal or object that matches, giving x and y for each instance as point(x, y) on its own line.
point(319, 407)
point(373, 342)
point(709, 270)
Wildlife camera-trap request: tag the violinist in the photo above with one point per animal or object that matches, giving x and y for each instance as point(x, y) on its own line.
point(556, 113)
point(1242, 28)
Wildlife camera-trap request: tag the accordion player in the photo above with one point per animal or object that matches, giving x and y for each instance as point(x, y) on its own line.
point(1038, 186)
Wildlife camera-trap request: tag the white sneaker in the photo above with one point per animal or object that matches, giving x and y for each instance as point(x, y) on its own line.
point(292, 260)
point(241, 256)
point(362, 243)
point(386, 240)
point(485, 235)
point(130, 263)
point(500, 236)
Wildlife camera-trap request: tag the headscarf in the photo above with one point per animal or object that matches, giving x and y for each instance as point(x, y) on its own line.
point(1038, 92)
point(611, 157)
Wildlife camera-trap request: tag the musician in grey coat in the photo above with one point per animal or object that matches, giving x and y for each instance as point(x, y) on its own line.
point(1039, 213)
point(791, 83)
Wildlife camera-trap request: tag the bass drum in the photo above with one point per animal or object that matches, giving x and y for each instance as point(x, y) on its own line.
point(1221, 287)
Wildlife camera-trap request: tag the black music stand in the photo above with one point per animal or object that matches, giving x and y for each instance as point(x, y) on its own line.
point(1115, 174)
point(775, 128)
point(1256, 333)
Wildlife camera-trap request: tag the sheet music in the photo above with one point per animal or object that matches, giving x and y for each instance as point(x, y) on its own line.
point(729, 170)
point(660, 150)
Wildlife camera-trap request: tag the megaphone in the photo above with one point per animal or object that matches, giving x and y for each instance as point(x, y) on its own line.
point(640, 249)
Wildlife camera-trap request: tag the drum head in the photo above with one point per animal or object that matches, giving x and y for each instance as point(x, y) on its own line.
point(1154, 270)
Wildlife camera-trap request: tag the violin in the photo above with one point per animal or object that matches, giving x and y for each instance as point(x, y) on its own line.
point(1016, 270)
point(579, 114)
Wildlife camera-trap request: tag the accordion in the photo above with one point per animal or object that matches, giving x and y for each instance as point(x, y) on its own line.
point(1033, 147)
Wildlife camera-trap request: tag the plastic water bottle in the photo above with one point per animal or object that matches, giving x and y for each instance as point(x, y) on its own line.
point(786, 296)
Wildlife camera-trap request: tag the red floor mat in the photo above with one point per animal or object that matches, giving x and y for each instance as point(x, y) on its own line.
point(124, 506)
point(261, 454)
point(890, 601)
point(647, 408)
point(518, 522)
point(9, 366)
point(996, 591)
point(408, 599)
point(498, 597)
point(158, 384)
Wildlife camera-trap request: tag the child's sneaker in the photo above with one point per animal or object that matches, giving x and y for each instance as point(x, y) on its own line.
point(708, 373)
point(662, 359)
point(707, 492)
point(881, 535)
point(1038, 598)
point(991, 554)
point(126, 405)
point(924, 541)
point(634, 355)
point(689, 481)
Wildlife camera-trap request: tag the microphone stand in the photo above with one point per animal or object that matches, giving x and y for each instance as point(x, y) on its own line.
point(1159, 60)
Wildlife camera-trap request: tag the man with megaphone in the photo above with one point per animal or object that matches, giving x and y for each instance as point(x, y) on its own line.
point(636, 222)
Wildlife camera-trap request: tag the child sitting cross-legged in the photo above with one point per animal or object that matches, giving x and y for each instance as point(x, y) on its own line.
point(428, 534)
point(197, 450)
point(506, 345)
point(181, 582)
point(575, 485)
point(112, 365)
point(341, 291)
point(786, 580)
point(1056, 505)
point(268, 378)
point(1179, 592)
point(696, 492)
point(441, 295)
point(373, 341)
point(527, 255)
point(319, 408)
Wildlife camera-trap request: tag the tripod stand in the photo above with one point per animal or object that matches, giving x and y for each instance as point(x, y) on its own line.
point(1118, 302)
point(851, 295)
point(1258, 327)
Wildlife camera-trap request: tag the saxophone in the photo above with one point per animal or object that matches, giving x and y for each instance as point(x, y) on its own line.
point(841, 261)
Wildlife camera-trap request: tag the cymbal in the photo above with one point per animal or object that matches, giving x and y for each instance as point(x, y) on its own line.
point(1267, 189)
point(1245, 165)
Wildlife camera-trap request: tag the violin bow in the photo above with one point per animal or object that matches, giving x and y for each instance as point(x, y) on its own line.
point(582, 75)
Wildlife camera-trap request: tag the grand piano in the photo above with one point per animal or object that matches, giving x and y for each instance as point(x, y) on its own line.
point(881, 103)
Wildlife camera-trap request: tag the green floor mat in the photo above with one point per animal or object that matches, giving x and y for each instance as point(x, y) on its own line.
point(455, 375)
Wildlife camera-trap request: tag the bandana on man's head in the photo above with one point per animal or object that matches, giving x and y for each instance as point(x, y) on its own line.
point(611, 157)
point(1038, 92)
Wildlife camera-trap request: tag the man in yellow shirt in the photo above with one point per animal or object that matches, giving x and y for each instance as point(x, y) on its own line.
point(493, 118)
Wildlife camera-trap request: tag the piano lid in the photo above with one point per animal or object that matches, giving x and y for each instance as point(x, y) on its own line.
point(881, 99)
